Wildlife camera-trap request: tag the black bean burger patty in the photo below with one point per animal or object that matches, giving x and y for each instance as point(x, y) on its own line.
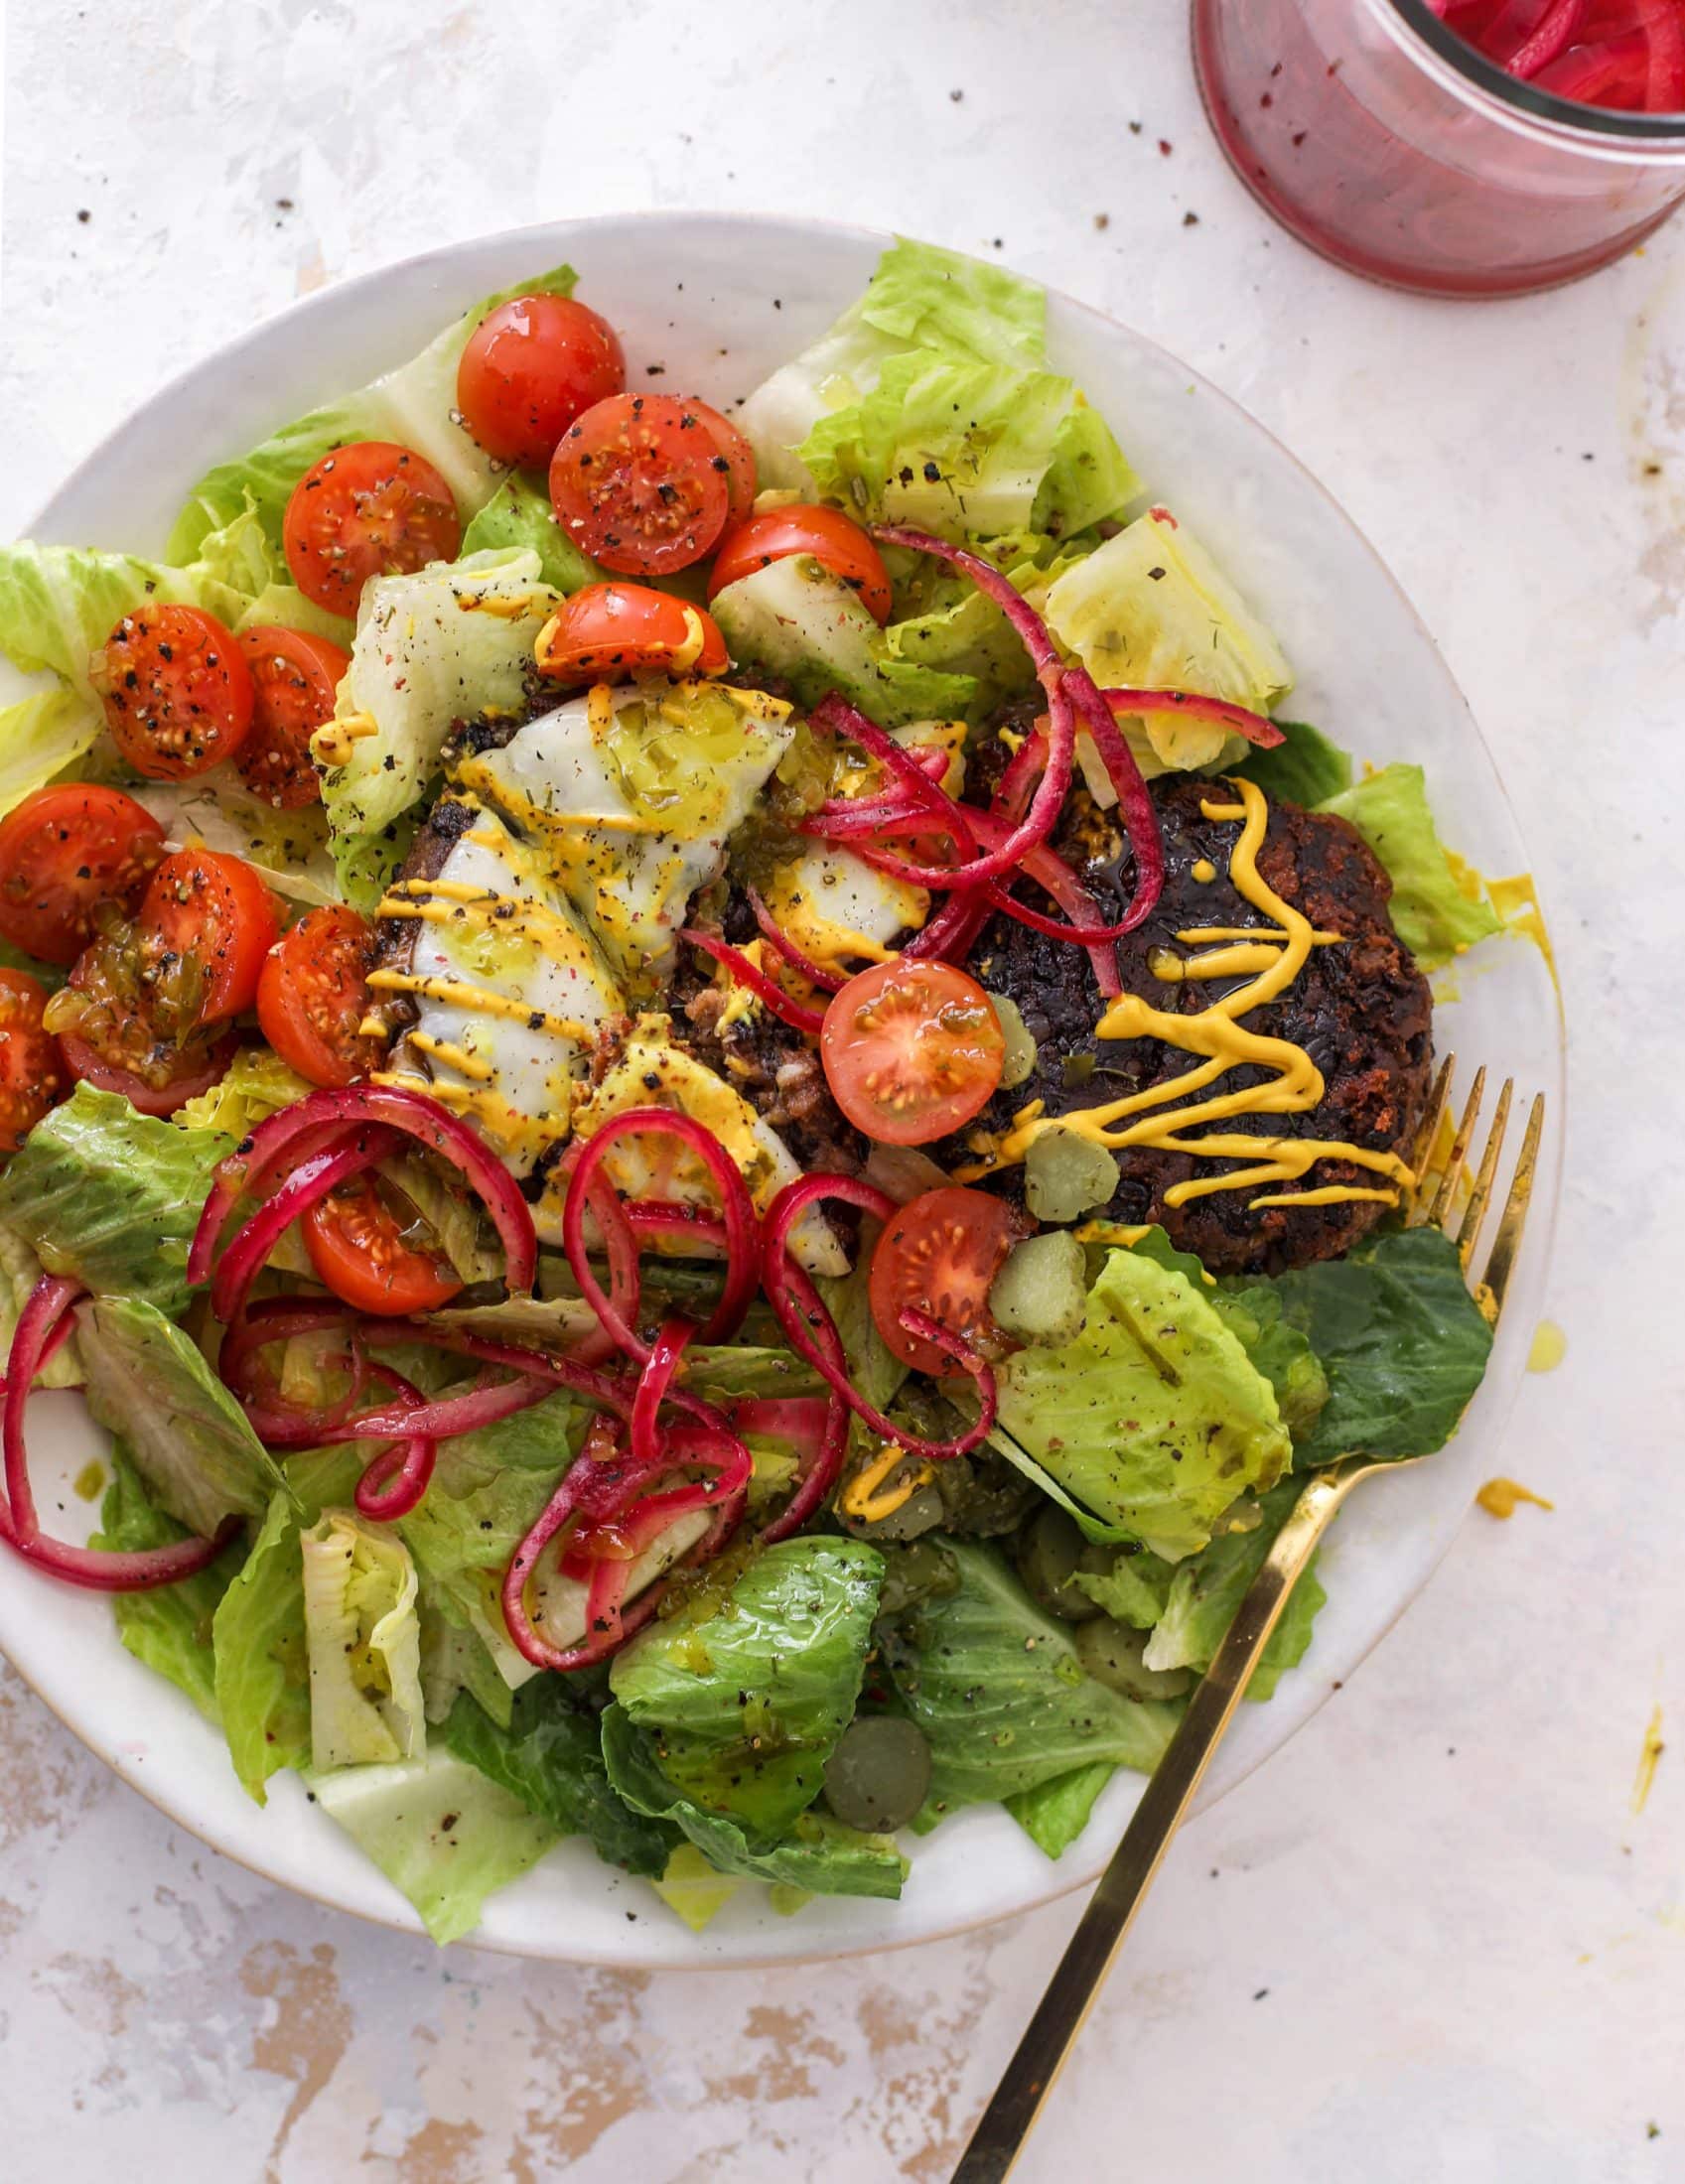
point(1360, 1009)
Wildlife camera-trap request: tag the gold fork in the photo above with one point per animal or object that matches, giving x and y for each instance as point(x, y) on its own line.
point(1008, 2120)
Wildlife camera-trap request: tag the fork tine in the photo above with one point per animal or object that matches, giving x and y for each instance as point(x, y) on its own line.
point(1439, 1210)
point(1507, 1242)
point(1428, 1135)
point(1474, 1214)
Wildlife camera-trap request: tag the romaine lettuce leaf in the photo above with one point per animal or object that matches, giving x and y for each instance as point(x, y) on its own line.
point(873, 1366)
point(40, 736)
point(189, 1439)
point(996, 1686)
point(59, 604)
point(444, 1834)
point(519, 515)
point(1154, 1417)
point(20, 1271)
point(283, 606)
point(746, 1689)
point(692, 1889)
point(1150, 610)
point(1054, 1813)
point(1439, 911)
point(111, 1197)
point(817, 1854)
point(289, 848)
point(1304, 769)
point(454, 1661)
point(550, 1756)
point(258, 1085)
point(169, 1628)
point(1135, 1589)
point(1401, 1340)
point(1206, 1590)
point(415, 405)
point(441, 645)
point(362, 1640)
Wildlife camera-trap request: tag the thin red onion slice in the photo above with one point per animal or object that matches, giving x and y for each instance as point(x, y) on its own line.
point(1255, 726)
point(765, 990)
point(665, 1357)
point(394, 1483)
point(815, 972)
point(321, 1174)
point(1141, 822)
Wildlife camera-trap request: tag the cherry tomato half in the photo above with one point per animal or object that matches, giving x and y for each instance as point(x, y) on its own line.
point(182, 1073)
point(607, 632)
point(314, 993)
point(530, 367)
point(210, 920)
point(369, 510)
point(739, 454)
point(941, 1254)
point(64, 852)
point(176, 690)
point(294, 677)
point(361, 1247)
point(831, 537)
point(641, 484)
point(33, 1075)
point(911, 1050)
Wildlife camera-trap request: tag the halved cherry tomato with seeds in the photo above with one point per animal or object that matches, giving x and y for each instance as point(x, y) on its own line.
point(641, 484)
point(911, 1049)
point(33, 1075)
point(607, 632)
point(66, 854)
point(294, 677)
point(167, 1076)
point(209, 915)
point(369, 510)
point(175, 691)
point(313, 992)
point(739, 454)
point(826, 533)
point(941, 1254)
point(368, 1245)
point(529, 368)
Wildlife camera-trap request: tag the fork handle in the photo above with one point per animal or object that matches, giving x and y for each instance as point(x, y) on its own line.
point(1008, 2120)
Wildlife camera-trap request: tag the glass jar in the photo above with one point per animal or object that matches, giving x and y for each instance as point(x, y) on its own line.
point(1386, 142)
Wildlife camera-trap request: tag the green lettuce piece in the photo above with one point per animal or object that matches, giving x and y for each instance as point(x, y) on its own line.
point(40, 736)
point(1304, 769)
point(692, 1889)
point(967, 449)
point(1054, 1813)
point(724, 1372)
point(189, 1437)
point(519, 515)
point(746, 1689)
point(169, 1628)
point(944, 624)
point(288, 848)
point(997, 1689)
point(454, 1661)
point(284, 606)
point(1150, 610)
point(262, 1670)
point(1434, 912)
point(362, 1639)
point(20, 1271)
point(440, 646)
point(873, 1366)
point(920, 298)
point(1400, 1339)
point(1154, 1416)
point(1133, 1590)
point(445, 1835)
point(111, 1197)
point(817, 1854)
point(550, 1756)
point(415, 405)
point(1208, 1590)
point(258, 1085)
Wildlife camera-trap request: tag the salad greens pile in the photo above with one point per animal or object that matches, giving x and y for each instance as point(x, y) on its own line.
point(1040, 1610)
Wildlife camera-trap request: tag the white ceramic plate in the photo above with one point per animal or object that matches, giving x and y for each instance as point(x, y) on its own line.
point(717, 302)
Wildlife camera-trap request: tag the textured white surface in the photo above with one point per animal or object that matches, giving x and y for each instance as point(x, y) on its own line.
point(1438, 1943)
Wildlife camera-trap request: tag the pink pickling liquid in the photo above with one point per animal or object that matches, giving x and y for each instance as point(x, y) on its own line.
point(1378, 152)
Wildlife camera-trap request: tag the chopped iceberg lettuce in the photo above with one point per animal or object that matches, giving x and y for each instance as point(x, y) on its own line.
point(445, 1835)
point(443, 644)
point(1151, 611)
point(997, 1691)
point(189, 1437)
point(168, 1627)
point(1207, 1590)
point(362, 1642)
point(258, 1083)
point(1154, 1417)
point(415, 405)
point(747, 1687)
point(1439, 908)
point(1403, 1345)
point(40, 736)
point(289, 848)
point(111, 1197)
point(519, 515)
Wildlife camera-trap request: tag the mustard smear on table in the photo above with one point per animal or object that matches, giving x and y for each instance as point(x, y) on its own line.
point(1550, 1348)
point(1649, 1757)
point(90, 1481)
point(1502, 1497)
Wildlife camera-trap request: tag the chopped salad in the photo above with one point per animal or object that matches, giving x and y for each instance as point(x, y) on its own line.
point(715, 1103)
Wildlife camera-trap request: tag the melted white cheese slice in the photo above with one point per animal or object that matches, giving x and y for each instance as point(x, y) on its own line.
point(629, 877)
point(511, 992)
